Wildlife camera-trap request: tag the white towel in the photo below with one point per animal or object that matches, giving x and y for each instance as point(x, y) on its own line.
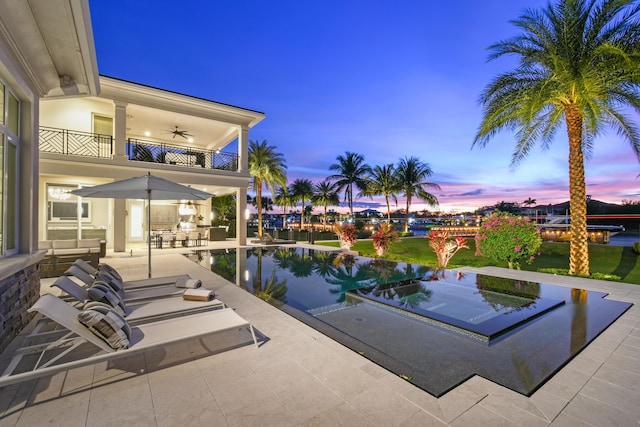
point(198, 295)
point(188, 283)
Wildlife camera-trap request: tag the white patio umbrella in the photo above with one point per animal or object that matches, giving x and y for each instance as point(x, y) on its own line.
point(147, 187)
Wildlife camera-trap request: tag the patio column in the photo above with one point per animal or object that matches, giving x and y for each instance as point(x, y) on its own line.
point(241, 219)
point(243, 150)
point(119, 225)
point(120, 131)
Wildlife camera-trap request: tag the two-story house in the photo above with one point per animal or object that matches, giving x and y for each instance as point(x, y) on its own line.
point(63, 126)
point(128, 130)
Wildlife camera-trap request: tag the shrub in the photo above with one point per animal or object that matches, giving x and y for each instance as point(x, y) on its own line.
point(596, 276)
point(504, 237)
point(445, 247)
point(636, 247)
point(383, 237)
point(346, 234)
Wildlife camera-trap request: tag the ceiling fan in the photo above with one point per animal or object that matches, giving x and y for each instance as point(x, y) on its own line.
point(176, 132)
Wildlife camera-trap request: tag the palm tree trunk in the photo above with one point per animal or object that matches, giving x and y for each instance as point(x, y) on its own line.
point(259, 204)
point(406, 219)
point(388, 210)
point(325, 218)
point(351, 200)
point(302, 216)
point(579, 250)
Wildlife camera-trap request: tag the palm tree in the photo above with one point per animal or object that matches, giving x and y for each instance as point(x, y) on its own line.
point(411, 174)
point(283, 198)
point(529, 202)
point(383, 182)
point(267, 166)
point(578, 65)
point(302, 189)
point(352, 170)
point(326, 195)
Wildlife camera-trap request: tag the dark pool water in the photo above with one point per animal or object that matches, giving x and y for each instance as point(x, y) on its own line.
point(435, 328)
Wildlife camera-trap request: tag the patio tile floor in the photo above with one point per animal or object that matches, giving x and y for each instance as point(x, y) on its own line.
point(299, 377)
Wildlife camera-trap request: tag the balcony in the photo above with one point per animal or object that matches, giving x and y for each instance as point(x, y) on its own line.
point(154, 152)
point(73, 143)
point(84, 144)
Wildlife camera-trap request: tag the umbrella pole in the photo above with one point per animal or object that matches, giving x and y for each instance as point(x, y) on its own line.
point(149, 228)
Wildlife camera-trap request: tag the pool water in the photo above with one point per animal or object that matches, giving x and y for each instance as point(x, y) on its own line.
point(434, 327)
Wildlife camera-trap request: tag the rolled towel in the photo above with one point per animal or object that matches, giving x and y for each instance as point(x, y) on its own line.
point(183, 282)
point(198, 295)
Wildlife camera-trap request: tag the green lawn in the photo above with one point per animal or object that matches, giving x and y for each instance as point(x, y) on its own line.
point(617, 260)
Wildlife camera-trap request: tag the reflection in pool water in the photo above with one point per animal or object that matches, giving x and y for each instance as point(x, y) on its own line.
point(424, 323)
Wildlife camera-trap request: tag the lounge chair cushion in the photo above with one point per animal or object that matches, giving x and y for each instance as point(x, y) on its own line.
point(112, 271)
point(65, 244)
point(107, 324)
point(89, 243)
point(114, 283)
point(102, 292)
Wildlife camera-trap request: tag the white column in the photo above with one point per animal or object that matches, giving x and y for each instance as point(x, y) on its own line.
point(241, 219)
point(243, 149)
point(120, 130)
point(119, 225)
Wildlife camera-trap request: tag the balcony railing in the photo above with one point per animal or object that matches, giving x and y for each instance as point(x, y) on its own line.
point(62, 141)
point(147, 151)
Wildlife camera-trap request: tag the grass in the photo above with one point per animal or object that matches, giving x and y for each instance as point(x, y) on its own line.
point(604, 260)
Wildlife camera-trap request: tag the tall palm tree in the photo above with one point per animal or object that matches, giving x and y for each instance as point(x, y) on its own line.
point(302, 189)
point(266, 166)
point(383, 182)
point(578, 65)
point(283, 198)
point(326, 195)
point(352, 170)
point(411, 175)
point(529, 202)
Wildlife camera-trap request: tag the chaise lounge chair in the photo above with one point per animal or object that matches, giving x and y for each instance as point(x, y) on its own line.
point(87, 274)
point(145, 309)
point(143, 337)
point(80, 293)
point(267, 239)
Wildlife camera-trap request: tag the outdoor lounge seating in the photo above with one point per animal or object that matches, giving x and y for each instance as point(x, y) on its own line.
point(81, 293)
point(267, 239)
point(141, 338)
point(87, 274)
point(61, 253)
point(144, 310)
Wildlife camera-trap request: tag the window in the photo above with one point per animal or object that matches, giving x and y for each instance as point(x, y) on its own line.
point(102, 125)
point(9, 170)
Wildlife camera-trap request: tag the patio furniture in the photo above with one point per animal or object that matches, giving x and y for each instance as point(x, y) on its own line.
point(181, 237)
point(81, 294)
point(193, 238)
point(167, 238)
point(144, 310)
point(87, 274)
point(61, 253)
point(141, 338)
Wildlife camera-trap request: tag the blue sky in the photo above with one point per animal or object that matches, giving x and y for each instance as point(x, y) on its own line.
point(385, 79)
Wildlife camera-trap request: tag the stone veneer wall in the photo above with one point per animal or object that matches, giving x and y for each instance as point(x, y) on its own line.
point(18, 292)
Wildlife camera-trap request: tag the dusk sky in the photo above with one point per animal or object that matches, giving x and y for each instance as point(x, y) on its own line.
point(386, 79)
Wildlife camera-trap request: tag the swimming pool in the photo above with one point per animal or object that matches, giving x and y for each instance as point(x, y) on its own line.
point(435, 328)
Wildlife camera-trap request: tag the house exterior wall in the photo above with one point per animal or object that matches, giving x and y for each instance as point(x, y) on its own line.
point(30, 71)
